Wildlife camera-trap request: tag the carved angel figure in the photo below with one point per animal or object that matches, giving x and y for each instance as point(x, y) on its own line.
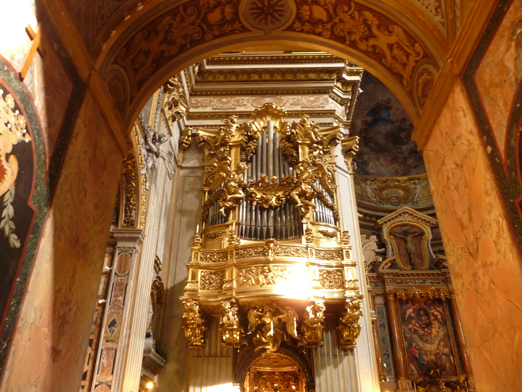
point(233, 188)
point(303, 193)
point(272, 325)
point(370, 250)
point(151, 153)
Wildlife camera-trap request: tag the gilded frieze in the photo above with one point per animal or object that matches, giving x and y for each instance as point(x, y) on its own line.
point(211, 280)
point(329, 255)
point(331, 279)
point(213, 257)
point(290, 251)
point(258, 251)
point(261, 276)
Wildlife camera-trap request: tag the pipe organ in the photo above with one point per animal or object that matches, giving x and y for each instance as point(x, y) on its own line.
point(269, 257)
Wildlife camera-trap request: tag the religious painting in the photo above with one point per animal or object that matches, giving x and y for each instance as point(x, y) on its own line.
point(20, 150)
point(427, 340)
point(384, 129)
point(410, 246)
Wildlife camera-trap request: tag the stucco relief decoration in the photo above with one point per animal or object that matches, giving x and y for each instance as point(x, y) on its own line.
point(183, 27)
point(174, 101)
point(396, 191)
point(263, 276)
point(358, 26)
point(267, 15)
point(12, 131)
point(425, 80)
point(435, 9)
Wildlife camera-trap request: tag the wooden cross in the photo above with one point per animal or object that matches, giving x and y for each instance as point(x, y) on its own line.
point(36, 38)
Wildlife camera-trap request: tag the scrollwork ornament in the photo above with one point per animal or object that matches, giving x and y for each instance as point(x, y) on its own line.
point(194, 324)
point(359, 28)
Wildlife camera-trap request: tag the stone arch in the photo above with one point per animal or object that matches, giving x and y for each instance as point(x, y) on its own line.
point(286, 351)
point(159, 43)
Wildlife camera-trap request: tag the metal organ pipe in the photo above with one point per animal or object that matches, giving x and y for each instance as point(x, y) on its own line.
point(270, 163)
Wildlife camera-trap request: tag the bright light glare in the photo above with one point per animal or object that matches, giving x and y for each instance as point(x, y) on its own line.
point(229, 387)
point(297, 287)
point(17, 15)
point(150, 385)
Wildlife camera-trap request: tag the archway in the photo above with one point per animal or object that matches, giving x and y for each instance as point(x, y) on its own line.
point(154, 44)
point(283, 371)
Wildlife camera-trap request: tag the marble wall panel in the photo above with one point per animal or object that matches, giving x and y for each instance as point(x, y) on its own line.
point(50, 343)
point(51, 89)
point(499, 74)
point(482, 252)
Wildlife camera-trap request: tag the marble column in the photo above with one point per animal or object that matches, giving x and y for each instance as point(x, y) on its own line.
point(398, 347)
point(128, 245)
point(366, 362)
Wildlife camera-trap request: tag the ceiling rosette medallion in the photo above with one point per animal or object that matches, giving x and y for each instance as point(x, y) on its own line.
point(267, 15)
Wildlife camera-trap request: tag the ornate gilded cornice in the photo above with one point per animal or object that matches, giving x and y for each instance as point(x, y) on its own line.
point(287, 75)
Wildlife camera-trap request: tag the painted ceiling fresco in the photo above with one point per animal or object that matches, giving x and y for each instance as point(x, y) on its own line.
point(384, 129)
